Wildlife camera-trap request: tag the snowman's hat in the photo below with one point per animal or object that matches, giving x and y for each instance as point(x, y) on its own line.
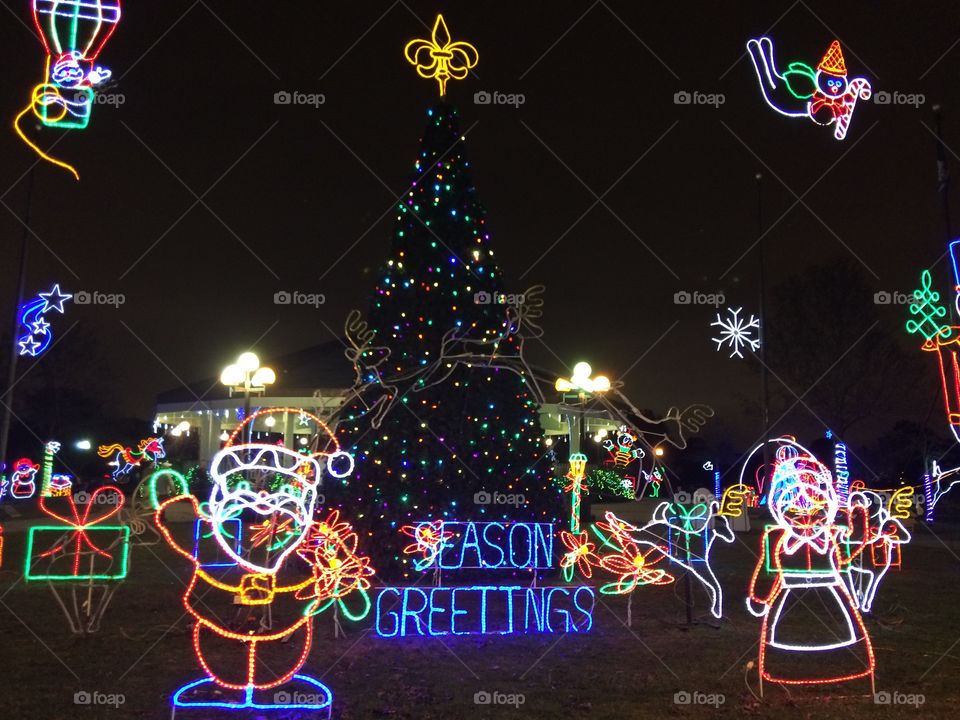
point(832, 62)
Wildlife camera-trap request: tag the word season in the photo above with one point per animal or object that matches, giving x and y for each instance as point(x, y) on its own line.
point(494, 545)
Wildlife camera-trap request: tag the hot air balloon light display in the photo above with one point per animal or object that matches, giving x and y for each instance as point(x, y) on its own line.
point(73, 33)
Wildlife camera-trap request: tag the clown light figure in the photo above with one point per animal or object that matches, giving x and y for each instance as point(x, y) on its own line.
point(303, 568)
point(812, 632)
point(824, 95)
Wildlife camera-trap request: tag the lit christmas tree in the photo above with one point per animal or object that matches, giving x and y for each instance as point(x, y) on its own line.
point(444, 422)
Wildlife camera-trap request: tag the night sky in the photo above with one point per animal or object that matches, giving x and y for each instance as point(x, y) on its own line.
point(200, 198)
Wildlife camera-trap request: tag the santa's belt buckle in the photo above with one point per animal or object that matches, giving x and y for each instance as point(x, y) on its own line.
point(256, 589)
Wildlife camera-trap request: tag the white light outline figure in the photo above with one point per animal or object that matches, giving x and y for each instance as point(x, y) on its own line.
point(287, 501)
point(864, 583)
point(712, 523)
point(735, 332)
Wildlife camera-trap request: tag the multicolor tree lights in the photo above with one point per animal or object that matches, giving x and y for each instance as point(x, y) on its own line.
point(73, 33)
point(444, 409)
point(825, 95)
point(37, 335)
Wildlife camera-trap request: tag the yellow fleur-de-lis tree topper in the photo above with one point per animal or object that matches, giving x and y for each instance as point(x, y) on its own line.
point(439, 58)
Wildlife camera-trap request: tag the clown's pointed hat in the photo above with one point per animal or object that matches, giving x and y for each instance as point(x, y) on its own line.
point(832, 62)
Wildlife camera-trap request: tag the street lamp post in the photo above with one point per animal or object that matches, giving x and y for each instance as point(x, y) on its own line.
point(586, 386)
point(248, 376)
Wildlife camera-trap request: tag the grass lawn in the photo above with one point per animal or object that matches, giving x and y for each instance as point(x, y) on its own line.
point(144, 652)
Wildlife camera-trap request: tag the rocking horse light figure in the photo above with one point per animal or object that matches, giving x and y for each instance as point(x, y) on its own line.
point(126, 459)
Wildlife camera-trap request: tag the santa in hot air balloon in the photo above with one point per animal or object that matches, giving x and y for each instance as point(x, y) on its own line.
point(73, 33)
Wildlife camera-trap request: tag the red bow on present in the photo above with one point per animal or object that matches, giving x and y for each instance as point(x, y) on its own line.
point(81, 523)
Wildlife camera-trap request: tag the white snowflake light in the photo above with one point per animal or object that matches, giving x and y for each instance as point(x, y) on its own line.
point(736, 332)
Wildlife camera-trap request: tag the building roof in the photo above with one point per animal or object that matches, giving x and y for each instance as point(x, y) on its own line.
point(299, 374)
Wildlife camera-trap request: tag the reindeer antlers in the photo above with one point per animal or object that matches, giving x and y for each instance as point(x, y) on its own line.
point(357, 330)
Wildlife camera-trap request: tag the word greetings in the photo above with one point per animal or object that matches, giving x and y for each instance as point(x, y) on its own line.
point(483, 610)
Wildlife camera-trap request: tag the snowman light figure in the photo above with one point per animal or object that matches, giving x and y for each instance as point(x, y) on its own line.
point(22, 483)
point(276, 576)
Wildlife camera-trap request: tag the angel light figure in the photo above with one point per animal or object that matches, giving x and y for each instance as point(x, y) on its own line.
point(812, 632)
point(306, 566)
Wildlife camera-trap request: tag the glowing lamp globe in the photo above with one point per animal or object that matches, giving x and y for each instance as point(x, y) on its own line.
point(581, 371)
point(600, 384)
point(263, 376)
point(248, 362)
point(232, 375)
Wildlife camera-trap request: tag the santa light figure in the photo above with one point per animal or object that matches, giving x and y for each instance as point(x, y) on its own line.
point(824, 95)
point(293, 567)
